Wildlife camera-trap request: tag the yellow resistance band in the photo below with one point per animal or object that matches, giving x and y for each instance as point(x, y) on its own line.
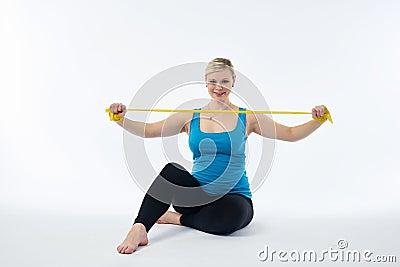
point(116, 117)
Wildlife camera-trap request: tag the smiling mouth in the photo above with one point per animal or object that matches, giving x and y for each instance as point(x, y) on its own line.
point(219, 94)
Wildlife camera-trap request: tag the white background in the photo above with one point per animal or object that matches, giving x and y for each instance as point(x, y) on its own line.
point(63, 62)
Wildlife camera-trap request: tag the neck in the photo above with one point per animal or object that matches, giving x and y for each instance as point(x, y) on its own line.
point(219, 105)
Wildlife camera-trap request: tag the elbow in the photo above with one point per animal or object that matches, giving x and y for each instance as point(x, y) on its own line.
point(292, 136)
point(287, 134)
point(149, 131)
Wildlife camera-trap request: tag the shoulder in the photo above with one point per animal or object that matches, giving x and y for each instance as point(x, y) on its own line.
point(251, 118)
point(254, 122)
point(186, 118)
point(251, 121)
point(181, 117)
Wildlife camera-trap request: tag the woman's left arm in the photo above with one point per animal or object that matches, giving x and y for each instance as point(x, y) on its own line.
point(266, 127)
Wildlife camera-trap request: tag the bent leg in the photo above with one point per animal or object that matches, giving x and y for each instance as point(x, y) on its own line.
point(223, 216)
point(162, 193)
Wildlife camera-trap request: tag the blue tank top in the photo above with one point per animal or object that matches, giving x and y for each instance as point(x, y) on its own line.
point(219, 159)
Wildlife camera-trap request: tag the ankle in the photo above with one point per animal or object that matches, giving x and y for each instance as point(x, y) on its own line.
point(178, 220)
point(139, 226)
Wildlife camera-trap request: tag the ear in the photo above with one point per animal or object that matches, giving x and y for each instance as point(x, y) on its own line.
point(234, 80)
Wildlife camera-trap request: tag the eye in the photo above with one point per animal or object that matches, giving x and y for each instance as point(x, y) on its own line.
point(225, 81)
point(212, 81)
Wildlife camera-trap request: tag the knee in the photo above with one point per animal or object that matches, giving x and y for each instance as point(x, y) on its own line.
point(173, 165)
point(229, 221)
point(223, 229)
point(168, 169)
point(171, 170)
point(224, 226)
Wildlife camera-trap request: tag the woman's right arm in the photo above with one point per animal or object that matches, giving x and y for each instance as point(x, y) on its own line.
point(172, 125)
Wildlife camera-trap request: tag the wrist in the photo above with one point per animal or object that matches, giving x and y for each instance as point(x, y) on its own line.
point(320, 120)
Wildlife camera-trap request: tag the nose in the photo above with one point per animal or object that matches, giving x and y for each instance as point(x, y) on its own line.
point(218, 86)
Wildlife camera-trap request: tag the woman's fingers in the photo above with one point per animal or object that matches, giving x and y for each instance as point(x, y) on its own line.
point(321, 110)
point(123, 108)
point(318, 111)
point(114, 108)
point(318, 108)
point(118, 108)
point(314, 112)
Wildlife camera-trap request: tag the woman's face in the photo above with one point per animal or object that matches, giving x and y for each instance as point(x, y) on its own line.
point(219, 84)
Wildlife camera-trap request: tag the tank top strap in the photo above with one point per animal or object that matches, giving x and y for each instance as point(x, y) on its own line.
point(196, 114)
point(242, 117)
point(194, 123)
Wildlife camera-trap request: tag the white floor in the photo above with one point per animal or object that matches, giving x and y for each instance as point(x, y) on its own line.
point(59, 240)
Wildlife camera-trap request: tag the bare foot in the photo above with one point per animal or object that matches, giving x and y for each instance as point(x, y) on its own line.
point(171, 217)
point(136, 237)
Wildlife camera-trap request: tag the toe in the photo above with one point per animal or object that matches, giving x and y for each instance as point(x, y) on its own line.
point(120, 248)
point(123, 250)
point(129, 250)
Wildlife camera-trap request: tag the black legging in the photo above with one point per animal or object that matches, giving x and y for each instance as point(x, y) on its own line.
point(223, 216)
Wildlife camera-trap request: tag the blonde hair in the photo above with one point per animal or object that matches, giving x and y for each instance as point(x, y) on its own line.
point(219, 64)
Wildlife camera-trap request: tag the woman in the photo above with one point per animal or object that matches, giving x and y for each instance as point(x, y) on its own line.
point(233, 208)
